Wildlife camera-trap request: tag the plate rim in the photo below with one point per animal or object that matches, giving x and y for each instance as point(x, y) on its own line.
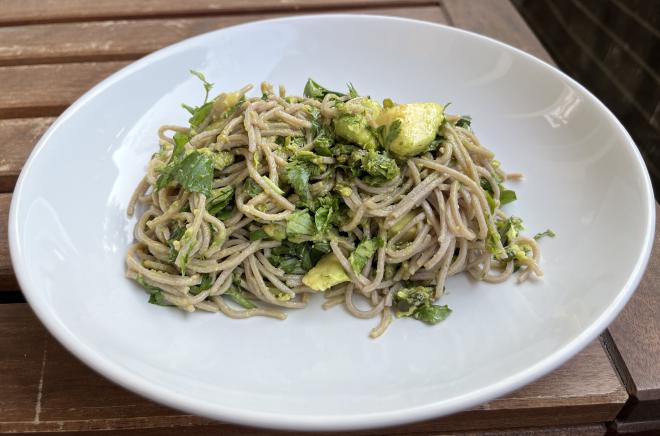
point(118, 374)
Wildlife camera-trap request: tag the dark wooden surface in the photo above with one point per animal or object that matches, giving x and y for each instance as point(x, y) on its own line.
point(52, 51)
point(47, 389)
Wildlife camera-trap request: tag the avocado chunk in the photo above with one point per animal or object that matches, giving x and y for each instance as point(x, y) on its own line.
point(418, 126)
point(325, 274)
point(355, 119)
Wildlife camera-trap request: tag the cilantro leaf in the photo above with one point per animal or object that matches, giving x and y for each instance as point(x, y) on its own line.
point(207, 84)
point(298, 171)
point(195, 173)
point(316, 91)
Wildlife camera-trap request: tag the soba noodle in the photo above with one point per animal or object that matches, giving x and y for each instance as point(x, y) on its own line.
point(243, 203)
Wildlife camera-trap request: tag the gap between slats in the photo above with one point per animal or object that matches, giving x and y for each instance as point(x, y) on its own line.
point(21, 12)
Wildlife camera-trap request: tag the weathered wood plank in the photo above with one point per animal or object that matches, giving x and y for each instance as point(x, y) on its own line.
point(43, 90)
point(7, 278)
point(73, 398)
point(19, 136)
point(636, 331)
point(48, 11)
point(497, 19)
point(130, 39)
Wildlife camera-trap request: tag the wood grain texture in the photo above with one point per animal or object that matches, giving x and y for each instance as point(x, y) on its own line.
point(70, 397)
point(220, 429)
point(130, 39)
point(19, 136)
point(40, 11)
point(7, 278)
point(497, 19)
point(636, 331)
point(44, 90)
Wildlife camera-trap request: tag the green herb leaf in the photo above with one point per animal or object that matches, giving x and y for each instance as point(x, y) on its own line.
point(252, 188)
point(149, 288)
point(464, 122)
point(180, 139)
point(166, 175)
point(295, 258)
point(417, 302)
point(175, 235)
point(205, 284)
point(219, 199)
point(195, 173)
point(548, 233)
point(326, 213)
point(316, 91)
point(298, 172)
point(388, 103)
point(258, 234)
point(507, 196)
point(239, 298)
point(432, 314)
point(299, 225)
point(158, 299)
point(207, 84)
point(352, 92)
point(388, 133)
point(363, 252)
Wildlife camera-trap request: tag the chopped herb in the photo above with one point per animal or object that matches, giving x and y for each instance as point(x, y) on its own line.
point(239, 298)
point(298, 171)
point(363, 252)
point(548, 232)
point(205, 284)
point(300, 225)
point(175, 235)
point(417, 302)
point(465, 121)
point(352, 92)
point(388, 133)
point(195, 173)
point(316, 91)
point(252, 188)
point(258, 234)
point(507, 196)
point(219, 199)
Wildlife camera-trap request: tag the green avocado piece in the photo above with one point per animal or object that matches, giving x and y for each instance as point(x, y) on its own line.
point(326, 273)
point(355, 119)
point(419, 123)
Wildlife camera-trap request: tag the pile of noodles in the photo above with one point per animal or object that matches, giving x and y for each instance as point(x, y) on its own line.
point(454, 224)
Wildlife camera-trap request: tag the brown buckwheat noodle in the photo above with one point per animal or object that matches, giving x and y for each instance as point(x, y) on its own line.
point(442, 191)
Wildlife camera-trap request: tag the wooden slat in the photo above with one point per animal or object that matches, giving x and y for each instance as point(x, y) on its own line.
point(220, 429)
point(7, 278)
point(41, 11)
point(497, 19)
point(70, 397)
point(43, 90)
point(98, 40)
point(130, 39)
point(19, 137)
point(636, 332)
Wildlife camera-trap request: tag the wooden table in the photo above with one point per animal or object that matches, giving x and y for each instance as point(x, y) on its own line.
point(53, 51)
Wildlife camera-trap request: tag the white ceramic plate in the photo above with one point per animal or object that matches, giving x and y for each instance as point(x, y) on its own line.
point(319, 370)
